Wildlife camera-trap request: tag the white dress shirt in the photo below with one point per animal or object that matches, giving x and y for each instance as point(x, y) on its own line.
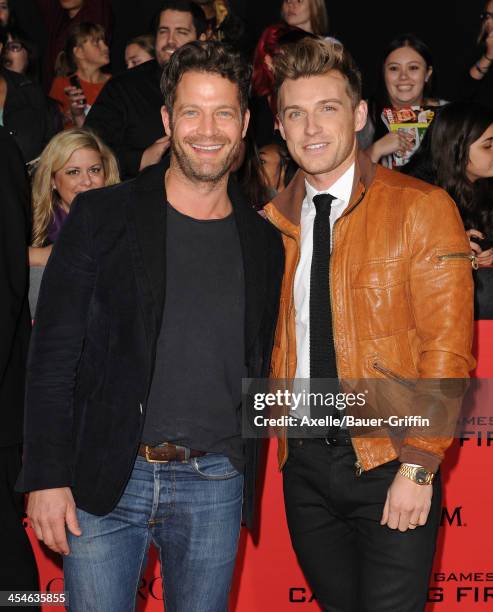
point(341, 190)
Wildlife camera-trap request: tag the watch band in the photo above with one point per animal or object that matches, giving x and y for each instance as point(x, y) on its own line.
point(416, 473)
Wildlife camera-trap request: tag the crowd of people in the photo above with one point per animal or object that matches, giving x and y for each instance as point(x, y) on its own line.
point(71, 123)
point(76, 88)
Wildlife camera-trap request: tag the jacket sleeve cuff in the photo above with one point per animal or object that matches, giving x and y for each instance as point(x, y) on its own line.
point(42, 471)
point(411, 454)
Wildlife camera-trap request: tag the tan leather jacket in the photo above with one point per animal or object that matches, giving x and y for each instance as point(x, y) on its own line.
point(401, 289)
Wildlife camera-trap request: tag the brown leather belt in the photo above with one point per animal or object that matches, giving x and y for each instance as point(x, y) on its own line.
point(168, 452)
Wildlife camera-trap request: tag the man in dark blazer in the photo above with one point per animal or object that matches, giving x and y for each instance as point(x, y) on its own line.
point(19, 571)
point(160, 295)
point(127, 112)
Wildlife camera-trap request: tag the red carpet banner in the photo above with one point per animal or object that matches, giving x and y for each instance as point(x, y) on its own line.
point(268, 578)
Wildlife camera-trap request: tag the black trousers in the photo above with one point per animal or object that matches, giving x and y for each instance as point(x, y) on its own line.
point(18, 571)
point(352, 563)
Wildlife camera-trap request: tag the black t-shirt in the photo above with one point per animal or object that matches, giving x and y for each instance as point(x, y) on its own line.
point(195, 394)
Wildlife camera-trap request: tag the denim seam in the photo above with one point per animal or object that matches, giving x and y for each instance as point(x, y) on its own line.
point(156, 493)
point(144, 552)
point(173, 491)
point(161, 565)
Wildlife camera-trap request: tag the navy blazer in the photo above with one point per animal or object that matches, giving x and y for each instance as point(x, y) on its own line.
point(94, 340)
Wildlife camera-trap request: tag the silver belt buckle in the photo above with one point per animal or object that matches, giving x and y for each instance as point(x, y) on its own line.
point(186, 451)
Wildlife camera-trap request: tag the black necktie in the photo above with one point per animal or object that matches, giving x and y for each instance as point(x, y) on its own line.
point(322, 352)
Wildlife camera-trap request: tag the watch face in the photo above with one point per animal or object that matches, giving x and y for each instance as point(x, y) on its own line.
point(421, 476)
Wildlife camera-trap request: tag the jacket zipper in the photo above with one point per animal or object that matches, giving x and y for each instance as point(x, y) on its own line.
point(357, 465)
point(472, 258)
point(333, 237)
point(392, 375)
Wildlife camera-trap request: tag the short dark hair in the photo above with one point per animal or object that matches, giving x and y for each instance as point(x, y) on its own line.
point(209, 57)
point(183, 6)
point(315, 57)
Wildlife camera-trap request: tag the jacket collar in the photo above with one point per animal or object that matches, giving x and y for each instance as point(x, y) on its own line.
point(288, 203)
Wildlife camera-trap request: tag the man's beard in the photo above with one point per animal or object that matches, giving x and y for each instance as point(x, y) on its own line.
point(192, 170)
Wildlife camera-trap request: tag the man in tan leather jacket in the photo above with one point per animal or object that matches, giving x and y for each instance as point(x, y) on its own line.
point(363, 511)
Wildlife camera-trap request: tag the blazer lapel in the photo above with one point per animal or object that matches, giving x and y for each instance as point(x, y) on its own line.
point(254, 263)
point(147, 232)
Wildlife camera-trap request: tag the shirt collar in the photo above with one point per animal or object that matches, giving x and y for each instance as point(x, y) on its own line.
point(341, 189)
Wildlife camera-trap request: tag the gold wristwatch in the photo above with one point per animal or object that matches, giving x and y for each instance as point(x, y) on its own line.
point(416, 473)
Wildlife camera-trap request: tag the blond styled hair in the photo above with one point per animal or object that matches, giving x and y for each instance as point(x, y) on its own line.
point(54, 156)
point(316, 57)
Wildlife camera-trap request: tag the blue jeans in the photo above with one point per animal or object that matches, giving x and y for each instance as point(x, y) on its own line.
point(191, 511)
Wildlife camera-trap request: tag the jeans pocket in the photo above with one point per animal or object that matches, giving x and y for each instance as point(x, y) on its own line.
point(214, 467)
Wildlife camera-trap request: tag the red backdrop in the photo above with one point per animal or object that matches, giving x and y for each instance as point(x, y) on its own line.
point(268, 578)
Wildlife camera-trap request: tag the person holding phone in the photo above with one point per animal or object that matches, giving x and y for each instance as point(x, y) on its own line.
point(405, 80)
point(80, 75)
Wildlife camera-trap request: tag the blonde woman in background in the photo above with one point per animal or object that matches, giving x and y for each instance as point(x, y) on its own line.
point(74, 161)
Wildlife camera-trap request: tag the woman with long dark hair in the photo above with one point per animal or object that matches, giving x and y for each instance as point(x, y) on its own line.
point(405, 80)
point(457, 155)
